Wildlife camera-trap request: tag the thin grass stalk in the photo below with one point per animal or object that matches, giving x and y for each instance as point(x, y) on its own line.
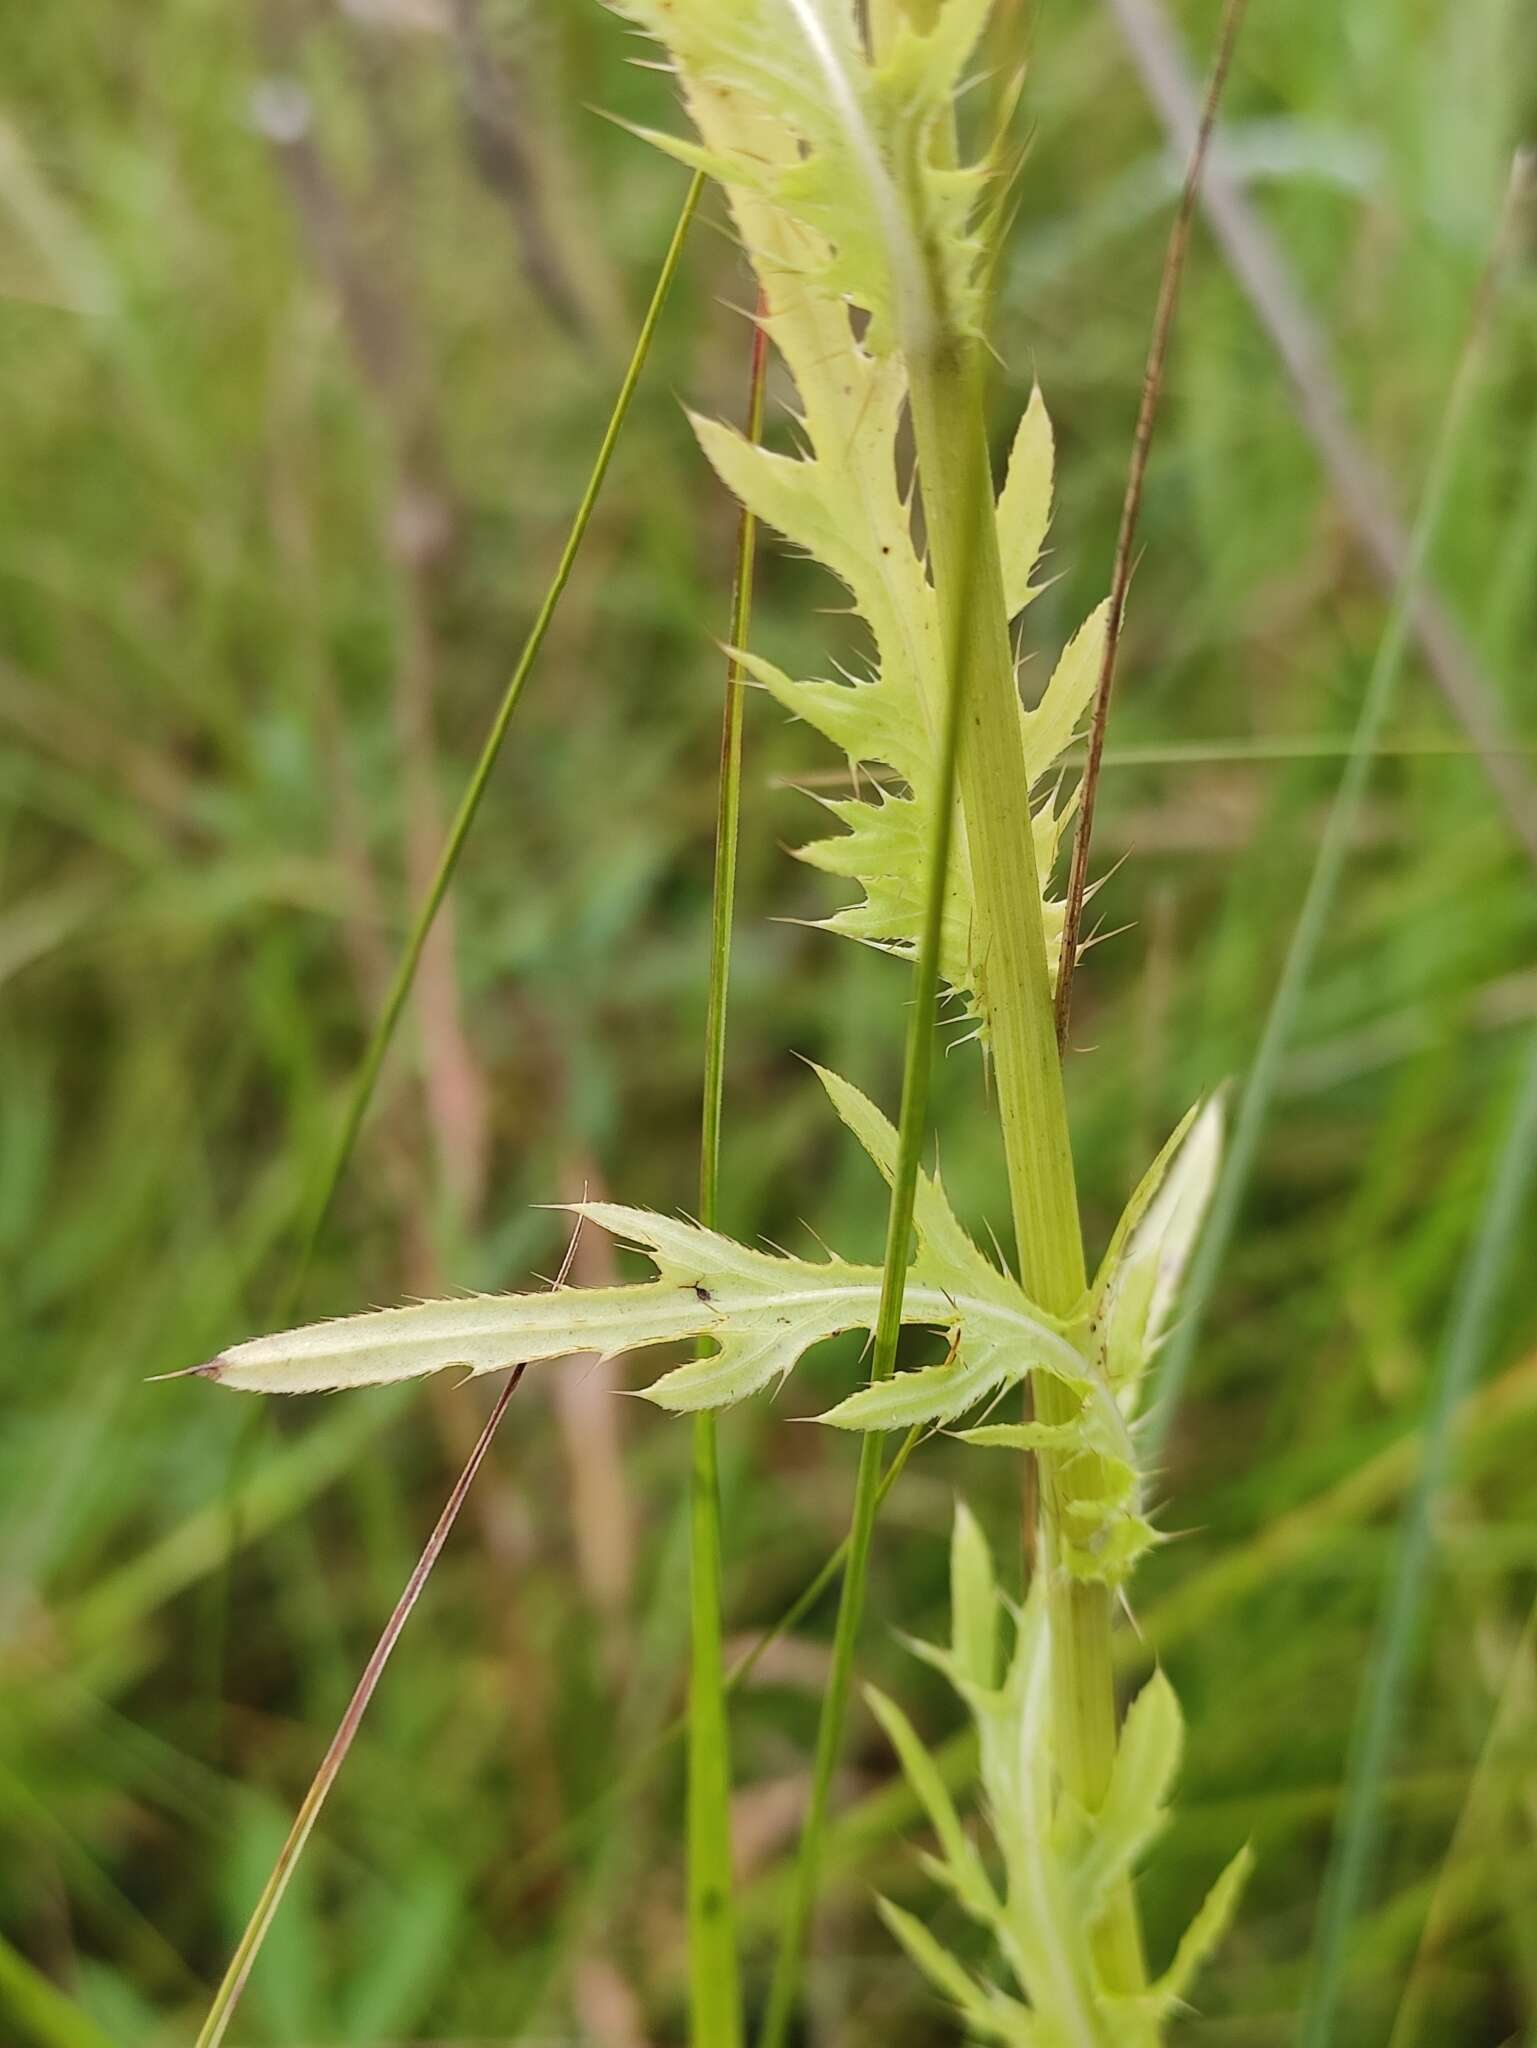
point(1377, 701)
point(547, 1854)
point(1491, 1793)
point(233, 1983)
point(789, 1960)
point(1131, 508)
point(1348, 1875)
point(388, 1020)
point(715, 1991)
point(469, 804)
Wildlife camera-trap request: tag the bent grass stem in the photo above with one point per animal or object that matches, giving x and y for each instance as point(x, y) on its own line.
point(384, 1029)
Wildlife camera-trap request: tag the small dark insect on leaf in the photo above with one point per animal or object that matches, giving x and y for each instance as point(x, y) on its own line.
point(702, 1291)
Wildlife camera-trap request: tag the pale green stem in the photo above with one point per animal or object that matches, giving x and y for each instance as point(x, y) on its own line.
point(715, 1991)
point(1014, 995)
point(1015, 999)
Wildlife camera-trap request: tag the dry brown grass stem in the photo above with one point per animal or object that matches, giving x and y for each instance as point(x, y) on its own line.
point(1131, 504)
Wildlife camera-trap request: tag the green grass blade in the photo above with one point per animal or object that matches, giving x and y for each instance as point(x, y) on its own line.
point(714, 1978)
point(469, 804)
point(1484, 1809)
point(1467, 1337)
point(715, 1991)
point(40, 2010)
point(1328, 868)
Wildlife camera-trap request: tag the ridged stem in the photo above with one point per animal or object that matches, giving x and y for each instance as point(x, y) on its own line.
point(1015, 998)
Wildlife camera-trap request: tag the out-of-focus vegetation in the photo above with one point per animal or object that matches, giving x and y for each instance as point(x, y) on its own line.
point(311, 319)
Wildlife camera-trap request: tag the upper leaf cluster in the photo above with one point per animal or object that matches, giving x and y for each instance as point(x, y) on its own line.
point(860, 228)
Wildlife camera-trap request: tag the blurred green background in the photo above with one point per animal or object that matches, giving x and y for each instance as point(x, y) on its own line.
point(310, 318)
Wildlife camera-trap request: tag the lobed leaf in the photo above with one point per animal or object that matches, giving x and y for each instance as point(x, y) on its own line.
point(988, 2013)
point(855, 168)
point(842, 201)
point(1024, 503)
point(961, 1864)
point(1061, 1864)
point(1138, 1282)
point(762, 1311)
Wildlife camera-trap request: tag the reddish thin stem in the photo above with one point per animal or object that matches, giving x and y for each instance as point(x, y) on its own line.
point(227, 1997)
point(1131, 508)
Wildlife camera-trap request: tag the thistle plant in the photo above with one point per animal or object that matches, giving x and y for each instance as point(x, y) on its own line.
point(865, 227)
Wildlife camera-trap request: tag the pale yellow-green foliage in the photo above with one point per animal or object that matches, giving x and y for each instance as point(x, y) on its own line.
point(792, 116)
point(806, 149)
point(762, 1311)
point(842, 502)
point(1044, 1896)
point(859, 225)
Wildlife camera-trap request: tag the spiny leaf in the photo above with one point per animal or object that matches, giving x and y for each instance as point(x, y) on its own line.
point(841, 200)
point(1201, 1937)
point(1024, 503)
point(1133, 1810)
point(961, 1863)
point(1136, 1287)
point(940, 1236)
point(844, 509)
point(1049, 728)
point(988, 2013)
point(1103, 1533)
point(790, 108)
point(1061, 1864)
point(762, 1310)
